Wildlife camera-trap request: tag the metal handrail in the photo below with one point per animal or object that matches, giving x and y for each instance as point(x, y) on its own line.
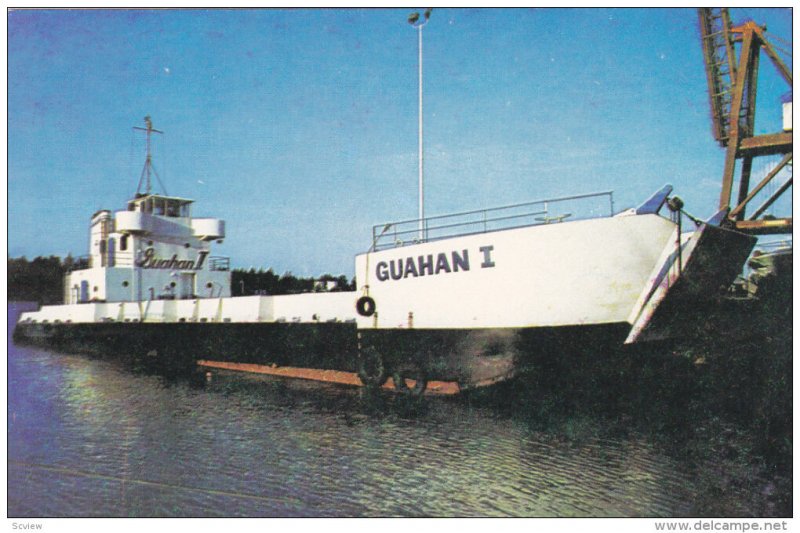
point(123, 260)
point(459, 224)
point(82, 262)
point(219, 263)
point(487, 217)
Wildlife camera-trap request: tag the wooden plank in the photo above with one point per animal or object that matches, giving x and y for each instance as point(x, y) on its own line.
point(326, 376)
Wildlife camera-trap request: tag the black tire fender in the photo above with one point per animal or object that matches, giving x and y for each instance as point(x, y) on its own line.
point(371, 370)
point(420, 382)
point(365, 306)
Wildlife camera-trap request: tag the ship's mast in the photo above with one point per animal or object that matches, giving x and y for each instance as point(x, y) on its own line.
point(148, 163)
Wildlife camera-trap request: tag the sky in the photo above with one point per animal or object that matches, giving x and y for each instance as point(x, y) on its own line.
point(299, 127)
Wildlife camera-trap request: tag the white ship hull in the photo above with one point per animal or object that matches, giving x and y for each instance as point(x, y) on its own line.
point(584, 272)
point(492, 303)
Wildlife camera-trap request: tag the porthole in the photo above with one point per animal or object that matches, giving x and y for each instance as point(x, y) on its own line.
point(172, 284)
point(187, 245)
point(124, 283)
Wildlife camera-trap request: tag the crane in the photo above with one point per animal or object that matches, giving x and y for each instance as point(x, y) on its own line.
point(732, 85)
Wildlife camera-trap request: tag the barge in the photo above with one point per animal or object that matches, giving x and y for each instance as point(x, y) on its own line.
point(467, 299)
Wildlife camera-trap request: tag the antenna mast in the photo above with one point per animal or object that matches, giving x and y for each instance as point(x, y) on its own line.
point(148, 163)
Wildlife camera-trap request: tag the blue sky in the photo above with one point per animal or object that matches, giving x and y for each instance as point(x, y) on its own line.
point(299, 127)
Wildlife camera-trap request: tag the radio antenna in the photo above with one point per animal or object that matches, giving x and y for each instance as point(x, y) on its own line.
point(148, 163)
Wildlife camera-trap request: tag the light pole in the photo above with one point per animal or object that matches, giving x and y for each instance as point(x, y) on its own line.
point(414, 20)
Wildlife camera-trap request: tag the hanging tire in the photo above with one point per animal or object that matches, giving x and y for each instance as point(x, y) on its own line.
point(420, 381)
point(371, 370)
point(365, 306)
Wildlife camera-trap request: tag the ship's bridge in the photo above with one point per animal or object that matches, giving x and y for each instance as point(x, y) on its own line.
point(155, 204)
point(166, 215)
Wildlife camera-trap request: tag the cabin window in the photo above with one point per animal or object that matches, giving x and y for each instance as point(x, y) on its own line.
point(124, 283)
point(173, 208)
point(185, 210)
point(123, 243)
point(159, 206)
point(111, 241)
point(102, 246)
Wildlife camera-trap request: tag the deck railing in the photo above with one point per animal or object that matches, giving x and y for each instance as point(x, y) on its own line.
point(548, 211)
point(218, 262)
point(79, 263)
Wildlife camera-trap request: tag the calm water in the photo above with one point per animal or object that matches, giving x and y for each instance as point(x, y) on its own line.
point(92, 438)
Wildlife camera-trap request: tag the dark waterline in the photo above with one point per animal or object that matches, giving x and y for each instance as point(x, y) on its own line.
point(89, 437)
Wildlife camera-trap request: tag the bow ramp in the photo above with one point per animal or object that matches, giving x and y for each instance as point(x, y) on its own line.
point(692, 273)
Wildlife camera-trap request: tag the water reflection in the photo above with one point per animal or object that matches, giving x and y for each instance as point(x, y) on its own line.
point(94, 438)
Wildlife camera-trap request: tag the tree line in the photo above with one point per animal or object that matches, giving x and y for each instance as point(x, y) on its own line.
point(252, 281)
point(42, 280)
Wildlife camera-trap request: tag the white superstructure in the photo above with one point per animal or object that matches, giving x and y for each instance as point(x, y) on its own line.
point(152, 262)
point(153, 250)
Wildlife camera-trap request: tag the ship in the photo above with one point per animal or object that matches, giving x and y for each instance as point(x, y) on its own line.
point(478, 297)
point(468, 299)
point(152, 290)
